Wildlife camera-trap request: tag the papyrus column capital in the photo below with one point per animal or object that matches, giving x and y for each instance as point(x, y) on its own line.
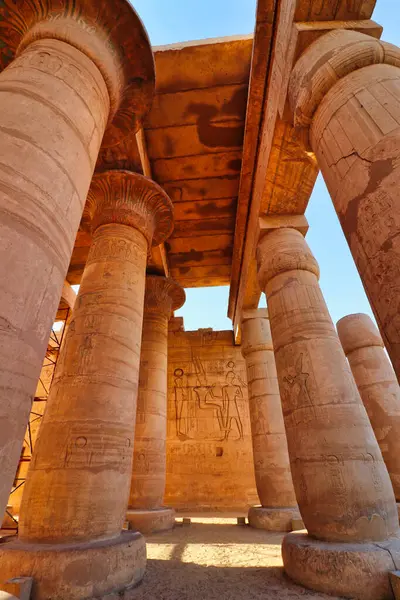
point(163, 295)
point(326, 61)
point(111, 34)
point(130, 199)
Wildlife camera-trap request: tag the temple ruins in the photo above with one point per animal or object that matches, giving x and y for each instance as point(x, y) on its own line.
point(137, 172)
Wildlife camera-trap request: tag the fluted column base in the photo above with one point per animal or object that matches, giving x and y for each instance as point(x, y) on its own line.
point(151, 520)
point(352, 570)
point(272, 519)
point(76, 571)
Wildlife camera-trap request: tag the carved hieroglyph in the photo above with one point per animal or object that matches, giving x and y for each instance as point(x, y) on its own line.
point(378, 386)
point(65, 88)
point(345, 89)
point(342, 485)
point(271, 459)
point(78, 484)
point(162, 297)
point(209, 454)
point(83, 456)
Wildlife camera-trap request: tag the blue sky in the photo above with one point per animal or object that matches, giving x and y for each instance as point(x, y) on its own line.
point(169, 21)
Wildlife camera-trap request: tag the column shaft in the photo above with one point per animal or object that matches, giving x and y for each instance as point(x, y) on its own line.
point(346, 89)
point(54, 109)
point(342, 485)
point(84, 449)
point(271, 459)
point(149, 462)
point(145, 511)
point(363, 185)
point(378, 387)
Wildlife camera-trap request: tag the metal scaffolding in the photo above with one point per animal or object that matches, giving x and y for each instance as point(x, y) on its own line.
point(42, 393)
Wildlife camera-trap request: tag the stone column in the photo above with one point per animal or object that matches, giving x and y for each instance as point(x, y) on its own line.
point(271, 459)
point(75, 497)
point(145, 509)
point(345, 92)
point(378, 387)
point(342, 485)
point(63, 87)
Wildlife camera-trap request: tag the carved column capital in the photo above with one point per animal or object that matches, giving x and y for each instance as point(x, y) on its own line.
point(283, 250)
point(358, 331)
point(130, 199)
point(111, 34)
point(163, 295)
point(326, 61)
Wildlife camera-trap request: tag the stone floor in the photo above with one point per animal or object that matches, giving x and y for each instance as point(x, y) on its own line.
point(216, 559)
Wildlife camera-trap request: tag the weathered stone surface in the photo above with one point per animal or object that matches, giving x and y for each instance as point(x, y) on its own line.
point(272, 519)
point(342, 485)
point(151, 520)
point(333, 452)
point(76, 571)
point(209, 456)
point(18, 588)
point(162, 297)
point(61, 86)
point(378, 386)
point(271, 459)
point(78, 484)
point(119, 47)
point(395, 583)
point(359, 571)
point(345, 89)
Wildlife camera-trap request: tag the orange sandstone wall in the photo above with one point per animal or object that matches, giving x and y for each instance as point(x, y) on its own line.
point(209, 452)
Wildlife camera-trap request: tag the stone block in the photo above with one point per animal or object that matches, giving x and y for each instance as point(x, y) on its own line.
point(297, 524)
point(18, 587)
point(241, 520)
point(186, 521)
point(394, 577)
point(152, 520)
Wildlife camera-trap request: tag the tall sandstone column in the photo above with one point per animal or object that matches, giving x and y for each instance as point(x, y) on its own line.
point(69, 73)
point(345, 91)
point(378, 387)
point(145, 510)
point(342, 485)
point(271, 459)
point(76, 494)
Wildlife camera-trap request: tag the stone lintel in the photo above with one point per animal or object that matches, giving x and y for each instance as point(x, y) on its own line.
point(272, 222)
point(256, 313)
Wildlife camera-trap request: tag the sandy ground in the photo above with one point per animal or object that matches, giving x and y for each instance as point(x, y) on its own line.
point(216, 559)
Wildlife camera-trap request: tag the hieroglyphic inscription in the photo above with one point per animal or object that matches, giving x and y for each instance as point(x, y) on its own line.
point(209, 452)
point(198, 391)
